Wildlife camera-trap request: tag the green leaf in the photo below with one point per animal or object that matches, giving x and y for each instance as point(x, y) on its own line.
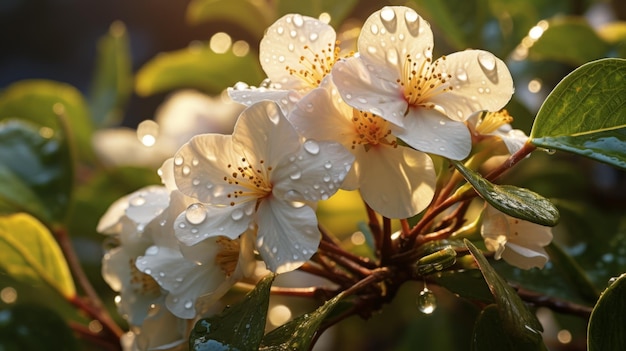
point(196, 67)
point(573, 271)
point(521, 325)
point(239, 327)
point(516, 202)
point(34, 328)
point(586, 113)
point(43, 101)
point(561, 42)
point(30, 253)
point(338, 10)
point(253, 15)
point(37, 169)
point(113, 79)
point(490, 334)
point(469, 284)
point(608, 318)
point(298, 334)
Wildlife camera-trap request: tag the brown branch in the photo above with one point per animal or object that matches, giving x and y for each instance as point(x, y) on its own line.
point(555, 304)
point(511, 161)
point(363, 261)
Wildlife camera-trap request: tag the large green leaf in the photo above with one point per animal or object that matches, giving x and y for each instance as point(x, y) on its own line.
point(34, 328)
point(239, 327)
point(521, 325)
point(562, 42)
point(36, 171)
point(467, 283)
point(253, 15)
point(196, 67)
point(608, 319)
point(586, 113)
point(490, 334)
point(338, 10)
point(43, 101)
point(298, 334)
point(516, 202)
point(30, 254)
point(113, 79)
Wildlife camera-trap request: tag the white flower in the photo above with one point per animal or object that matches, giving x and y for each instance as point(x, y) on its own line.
point(518, 242)
point(395, 77)
point(498, 124)
point(263, 174)
point(183, 115)
point(161, 330)
point(396, 181)
point(296, 53)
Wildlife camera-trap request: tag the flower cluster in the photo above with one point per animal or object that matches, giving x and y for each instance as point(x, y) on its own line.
point(377, 120)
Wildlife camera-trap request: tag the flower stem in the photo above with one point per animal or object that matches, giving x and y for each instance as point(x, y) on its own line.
point(511, 161)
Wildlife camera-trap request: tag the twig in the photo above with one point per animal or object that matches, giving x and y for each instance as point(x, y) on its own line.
point(511, 161)
point(553, 303)
point(363, 261)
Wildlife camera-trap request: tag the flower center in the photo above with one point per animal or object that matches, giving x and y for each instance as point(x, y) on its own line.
point(315, 66)
point(142, 284)
point(491, 121)
point(253, 181)
point(423, 79)
point(228, 255)
point(371, 130)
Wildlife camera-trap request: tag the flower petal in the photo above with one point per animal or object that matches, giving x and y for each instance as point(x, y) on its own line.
point(249, 96)
point(525, 257)
point(200, 222)
point(480, 81)
point(295, 42)
point(287, 235)
point(430, 131)
point(396, 182)
point(314, 173)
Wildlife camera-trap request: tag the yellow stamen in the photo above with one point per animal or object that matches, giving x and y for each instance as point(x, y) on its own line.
point(422, 80)
point(315, 66)
point(491, 121)
point(142, 283)
point(371, 130)
point(253, 180)
point(228, 255)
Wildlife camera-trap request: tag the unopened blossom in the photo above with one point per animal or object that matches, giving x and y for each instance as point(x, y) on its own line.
point(296, 53)
point(395, 77)
point(498, 124)
point(394, 180)
point(520, 243)
point(183, 115)
point(264, 175)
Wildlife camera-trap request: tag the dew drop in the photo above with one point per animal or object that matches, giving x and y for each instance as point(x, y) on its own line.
point(371, 49)
point(293, 33)
point(612, 280)
point(461, 74)
point(272, 113)
point(326, 178)
point(487, 61)
point(328, 165)
point(281, 58)
point(298, 21)
point(362, 100)
point(147, 271)
point(195, 162)
point(178, 160)
point(312, 147)
point(387, 14)
point(374, 29)
point(194, 230)
point(196, 213)
point(182, 225)
point(274, 250)
point(241, 86)
point(195, 182)
point(186, 170)
point(137, 201)
point(237, 214)
point(163, 222)
point(188, 304)
point(280, 30)
point(481, 90)
point(426, 301)
point(313, 36)
point(152, 250)
point(442, 122)
point(296, 175)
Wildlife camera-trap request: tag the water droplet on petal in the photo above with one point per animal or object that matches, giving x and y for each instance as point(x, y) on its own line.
point(272, 113)
point(298, 21)
point(237, 214)
point(188, 304)
point(147, 271)
point(186, 170)
point(296, 175)
point(312, 147)
point(387, 14)
point(461, 74)
point(487, 61)
point(426, 301)
point(196, 213)
point(137, 200)
point(313, 36)
point(152, 250)
point(442, 122)
point(274, 250)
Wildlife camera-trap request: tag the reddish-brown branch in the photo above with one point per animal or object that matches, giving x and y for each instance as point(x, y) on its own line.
point(363, 261)
point(326, 271)
point(553, 303)
point(374, 225)
point(94, 338)
point(511, 161)
point(387, 248)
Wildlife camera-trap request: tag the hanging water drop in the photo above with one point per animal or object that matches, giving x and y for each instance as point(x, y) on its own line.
point(426, 301)
point(196, 213)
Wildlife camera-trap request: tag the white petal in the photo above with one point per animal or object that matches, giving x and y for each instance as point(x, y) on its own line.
point(286, 99)
point(229, 221)
point(121, 147)
point(480, 81)
point(109, 222)
point(514, 139)
point(524, 257)
point(200, 167)
point(314, 173)
point(528, 234)
point(430, 131)
point(396, 182)
point(115, 268)
point(287, 40)
point(287, 235)
point(364, 90)
point(263, 133)
point(389, 35)
point(147, 203)
point(161, 331)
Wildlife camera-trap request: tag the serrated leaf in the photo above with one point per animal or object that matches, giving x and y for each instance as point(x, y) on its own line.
point(586, 113)
point(37, 169)
point(31, 254)
point(42, 101)
point(253, 15)
point(516, 202)
point(32, 327)
point(196, 67)
point(338, 10)
point(608, 318)
point(113, 79)
point(561, 42)
point(298, 334)
point(239, 327)
point(517, 320)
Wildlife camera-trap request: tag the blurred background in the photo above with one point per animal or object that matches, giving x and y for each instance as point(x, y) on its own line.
point(58, 40)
